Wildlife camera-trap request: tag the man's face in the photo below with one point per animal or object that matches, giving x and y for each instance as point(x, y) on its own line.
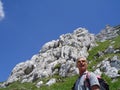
point(82, 64)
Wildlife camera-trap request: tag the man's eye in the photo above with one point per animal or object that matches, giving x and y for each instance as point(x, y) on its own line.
point(83, 60)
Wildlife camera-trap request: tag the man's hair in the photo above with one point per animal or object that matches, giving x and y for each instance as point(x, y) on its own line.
point(81, 57)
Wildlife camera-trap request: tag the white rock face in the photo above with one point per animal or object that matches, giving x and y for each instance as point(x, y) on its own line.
point(110, 67)
point(51, 81)
point(55, 57)
point(108, 33)
point(39, 84)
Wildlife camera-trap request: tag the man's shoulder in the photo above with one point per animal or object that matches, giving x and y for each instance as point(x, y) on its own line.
point(90, 75)
point(92, 79)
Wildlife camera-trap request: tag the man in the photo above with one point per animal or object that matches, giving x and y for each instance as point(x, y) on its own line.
point(80, 84)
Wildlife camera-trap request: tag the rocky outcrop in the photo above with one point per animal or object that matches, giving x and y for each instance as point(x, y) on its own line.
point(58, 57)
point(55, 57)
point(110, 67)
point(108, 33)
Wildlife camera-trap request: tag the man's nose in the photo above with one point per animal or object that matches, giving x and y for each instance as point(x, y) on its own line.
point(81, 61)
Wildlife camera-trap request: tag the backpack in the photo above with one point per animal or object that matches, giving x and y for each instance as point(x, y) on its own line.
point(102, 82)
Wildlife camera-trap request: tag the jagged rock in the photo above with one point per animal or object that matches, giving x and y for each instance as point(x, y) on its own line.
point(112, 72)
point(58, 57)
point(51, 81)
point(110, 66)
point(49, 45)
point(62, 51)
point(108, 33)
point(99, 54)
point(39, 84)
point(110, 49)
point(3, 85)
point(20, 70)
point(115, 62)
point(98, 72)
point(65, 68)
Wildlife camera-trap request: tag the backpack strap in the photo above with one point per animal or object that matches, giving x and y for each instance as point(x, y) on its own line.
point(87, 74)
point(73, 87)
point(86, 81)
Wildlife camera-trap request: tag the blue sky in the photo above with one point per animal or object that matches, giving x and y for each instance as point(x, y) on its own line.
point(26, 25)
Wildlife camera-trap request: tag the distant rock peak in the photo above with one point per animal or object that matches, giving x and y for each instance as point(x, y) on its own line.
point(108, 33)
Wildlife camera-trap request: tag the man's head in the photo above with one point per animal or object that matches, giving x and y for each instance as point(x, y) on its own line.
point(82, 64)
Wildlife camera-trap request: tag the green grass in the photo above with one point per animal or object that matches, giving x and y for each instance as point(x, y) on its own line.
point(117, 42)
point(20, 86)
point(66, 84)
point(101, 47)
point(91, 58)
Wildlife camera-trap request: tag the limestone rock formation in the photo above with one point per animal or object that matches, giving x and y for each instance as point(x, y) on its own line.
point(55, 57)
point(58, 57)
point(108, 33)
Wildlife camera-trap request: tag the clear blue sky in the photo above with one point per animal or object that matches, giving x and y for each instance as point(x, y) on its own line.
point(29, 24)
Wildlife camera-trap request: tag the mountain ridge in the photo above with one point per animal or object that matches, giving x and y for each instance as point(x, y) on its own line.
point(58, 57)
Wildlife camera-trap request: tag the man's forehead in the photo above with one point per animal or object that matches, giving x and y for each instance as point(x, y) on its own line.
point(82, 58)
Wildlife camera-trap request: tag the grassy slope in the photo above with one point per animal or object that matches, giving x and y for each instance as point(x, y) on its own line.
point(67, 83)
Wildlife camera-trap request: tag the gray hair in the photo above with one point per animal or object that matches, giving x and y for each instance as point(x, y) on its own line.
point(81, 57)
